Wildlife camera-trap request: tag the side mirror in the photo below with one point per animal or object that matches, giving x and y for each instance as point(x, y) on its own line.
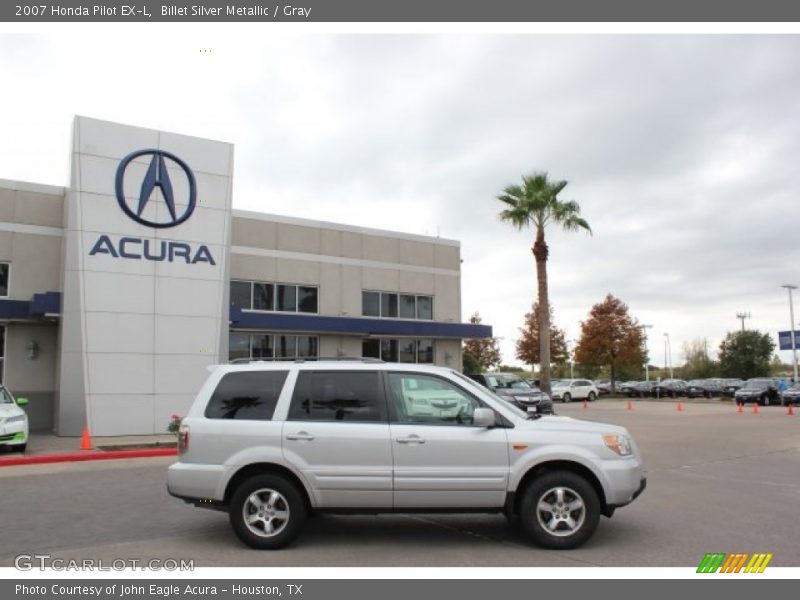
point(483, 417)
point(22, 401)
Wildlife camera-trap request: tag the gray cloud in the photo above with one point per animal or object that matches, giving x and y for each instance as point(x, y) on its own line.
point(682, 151)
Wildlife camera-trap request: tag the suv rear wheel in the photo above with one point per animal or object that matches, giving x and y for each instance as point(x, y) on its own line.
point(560, 510)
point(267, 512)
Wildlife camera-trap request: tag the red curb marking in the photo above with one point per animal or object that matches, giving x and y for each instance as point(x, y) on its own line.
point(84, 456)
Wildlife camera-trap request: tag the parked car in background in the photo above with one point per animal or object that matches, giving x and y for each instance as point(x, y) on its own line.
point(706, 388)
point(759, 389)
point(729, 386)
point(516, 390)
point(644, 389)
point(791, 395)
point(672, 388)
point(13, 421)
point(628, 388)
point(603, 386)
point(567, 390)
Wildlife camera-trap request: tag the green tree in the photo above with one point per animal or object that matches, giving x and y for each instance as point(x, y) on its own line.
point(611, 337)
point(469, 363)
point(528, 347)
point(484, 351)
point(746, 354)
point(697, 363)
point(535, 204)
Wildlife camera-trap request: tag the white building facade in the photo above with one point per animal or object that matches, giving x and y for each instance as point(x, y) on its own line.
point(118, 291)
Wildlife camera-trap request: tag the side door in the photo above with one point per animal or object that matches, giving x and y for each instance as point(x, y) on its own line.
point(337, 434)
point(584, 387)
point(440, 459)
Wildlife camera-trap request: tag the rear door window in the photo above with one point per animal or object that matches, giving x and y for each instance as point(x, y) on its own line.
point(353, 396)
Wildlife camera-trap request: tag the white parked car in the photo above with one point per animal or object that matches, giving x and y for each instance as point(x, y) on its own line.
point(13, 421)
point(568, 390)
point(270, 442)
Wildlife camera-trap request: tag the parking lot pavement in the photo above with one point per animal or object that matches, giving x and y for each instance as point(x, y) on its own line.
point(717, 481)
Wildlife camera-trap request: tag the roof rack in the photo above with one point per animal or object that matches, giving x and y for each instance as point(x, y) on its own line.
point(363, 359)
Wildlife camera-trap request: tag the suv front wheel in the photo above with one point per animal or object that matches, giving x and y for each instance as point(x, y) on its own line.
point(560, 510)
point(267, 512)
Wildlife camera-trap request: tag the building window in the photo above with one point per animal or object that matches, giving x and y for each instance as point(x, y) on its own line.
point(281, 297)
point(4, 270)
point(402, 350)
point(241, 293)
point(371, 304)
point(425, 308)
point(269, 346)
point(263, 296)
point(389, 305)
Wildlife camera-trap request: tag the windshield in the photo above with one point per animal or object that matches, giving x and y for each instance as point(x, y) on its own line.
point(5, 397)
point(507, 382)
point(758, 383)
point(477, 386)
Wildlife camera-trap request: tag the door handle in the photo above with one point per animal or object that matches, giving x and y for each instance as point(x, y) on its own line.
point(412, 439)
point(302, 436)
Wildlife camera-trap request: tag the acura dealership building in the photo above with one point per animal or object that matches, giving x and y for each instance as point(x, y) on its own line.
point(118, 291)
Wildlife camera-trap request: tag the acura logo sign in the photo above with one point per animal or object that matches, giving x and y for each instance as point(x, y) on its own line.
point(157, 176)
point(158, 250)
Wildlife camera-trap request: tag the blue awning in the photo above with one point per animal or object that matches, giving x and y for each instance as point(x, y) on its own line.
point(48, 303)
point(364, 326)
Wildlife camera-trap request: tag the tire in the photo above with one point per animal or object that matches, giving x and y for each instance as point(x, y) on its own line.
point(283, 509)
point(763, 401)
point(566, 397)
point(572, 528)
point(591, 397)
point(21, 448)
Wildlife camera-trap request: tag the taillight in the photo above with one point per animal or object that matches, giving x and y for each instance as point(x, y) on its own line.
point(183, 439)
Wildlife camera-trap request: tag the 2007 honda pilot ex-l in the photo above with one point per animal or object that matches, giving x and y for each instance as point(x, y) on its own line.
point(270, 442)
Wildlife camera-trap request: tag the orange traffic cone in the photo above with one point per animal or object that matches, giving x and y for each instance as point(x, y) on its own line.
point(630, 405)
point(680, 406)
point(585, 403)
point(739, 407)
point(86, 441)
point(789, 409)
point(755, 408)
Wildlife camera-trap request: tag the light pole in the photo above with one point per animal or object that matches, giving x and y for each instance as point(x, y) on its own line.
point(668, 355)
point(791, 329)
point(647, 360)
point(745, 315)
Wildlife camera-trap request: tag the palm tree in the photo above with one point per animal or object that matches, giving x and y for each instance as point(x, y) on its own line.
point(535, 204)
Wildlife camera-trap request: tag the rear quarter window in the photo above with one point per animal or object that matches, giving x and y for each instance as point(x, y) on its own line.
point(248, 395)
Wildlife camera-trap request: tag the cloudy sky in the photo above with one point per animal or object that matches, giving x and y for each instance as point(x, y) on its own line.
point(683, 151)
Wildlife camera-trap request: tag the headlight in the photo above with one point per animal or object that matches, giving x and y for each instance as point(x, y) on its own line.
point(620, 444)
point(17, 419)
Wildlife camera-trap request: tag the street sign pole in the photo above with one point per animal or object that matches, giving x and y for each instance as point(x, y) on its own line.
point(791, 329)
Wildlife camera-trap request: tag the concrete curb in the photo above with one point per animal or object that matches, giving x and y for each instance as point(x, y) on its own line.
point(86, 455)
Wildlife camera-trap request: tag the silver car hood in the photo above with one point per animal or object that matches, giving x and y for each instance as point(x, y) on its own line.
point(567, 424)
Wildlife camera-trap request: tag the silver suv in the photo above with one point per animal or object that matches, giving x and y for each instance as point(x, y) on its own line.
point(271, 442)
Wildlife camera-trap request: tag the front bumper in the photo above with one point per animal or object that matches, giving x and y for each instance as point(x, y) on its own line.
point(13, 434)
point(634, 496)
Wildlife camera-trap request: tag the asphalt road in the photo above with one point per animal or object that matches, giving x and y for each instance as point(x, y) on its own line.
point(717, 481)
